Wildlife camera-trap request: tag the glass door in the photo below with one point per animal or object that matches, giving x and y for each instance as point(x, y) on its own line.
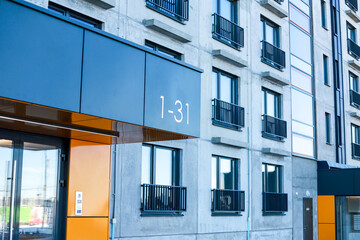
point(31, 167)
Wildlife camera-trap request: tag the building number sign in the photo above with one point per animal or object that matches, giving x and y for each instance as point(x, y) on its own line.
point(179, 111)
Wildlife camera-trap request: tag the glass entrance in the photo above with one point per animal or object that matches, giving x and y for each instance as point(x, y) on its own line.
point(30, 196)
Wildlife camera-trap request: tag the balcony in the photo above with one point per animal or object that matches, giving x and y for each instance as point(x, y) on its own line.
point(275, 202)
point(353, 49)
point(227, 201)
point(355, 150)
point(228, 32)
point(354, 99)
point(352, 4)
point(176, 9)
point(274, 127)
point(159, 199)
point(228, 115)
point(272, 55)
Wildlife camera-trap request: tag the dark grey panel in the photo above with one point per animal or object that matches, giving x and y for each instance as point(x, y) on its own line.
point(172, 97)
point(340, 182)
point(113, 79)
point(40, 58)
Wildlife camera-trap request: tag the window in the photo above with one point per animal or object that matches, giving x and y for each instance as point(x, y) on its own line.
point(351, 32)
point(160, 166)
point(271, 103)
point(271, 178)
point(225, 173)
point(226, 9)
point(354, 82)
point(355, 140)
point(224, 87)
point(78, 17)
point(323, 14)
point(163, 50)
point(270, 32)
point(225, 193)
point(328, 128)
point(325, 69)
point(161, 192)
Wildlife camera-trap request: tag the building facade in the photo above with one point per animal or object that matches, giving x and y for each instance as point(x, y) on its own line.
point(180, 119)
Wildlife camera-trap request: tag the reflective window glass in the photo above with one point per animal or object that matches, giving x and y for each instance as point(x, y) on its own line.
point(271, 103)
point(299, 18)
point(302, 128)
point(225, 173)
point(163, 166)
point(214, 171)
point(224, 87)
point(300, 64)
point(145, 165)
point(354, 82)
point(271, 178)
point(351, 32)
point(300, 44)
point(301, 80)
point(301, 5)
point(302, 105)
point(303, 145)
point(328, 127)
point(355, 134)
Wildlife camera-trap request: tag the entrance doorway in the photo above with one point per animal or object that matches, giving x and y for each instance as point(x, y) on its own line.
point(33, 170)
point(308, 218)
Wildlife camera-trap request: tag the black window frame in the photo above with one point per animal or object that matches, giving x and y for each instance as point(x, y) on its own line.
point(175, 164)
point(76, 16)
point(163, 50)
point(326, 69)
point(234, 85)
point(351, 77)
point(234, 9)
point(328, 128)
point(355, 141)
point(349, 30)
point(276, 28)
point(265, 181)
point(277, 107)
point(323, 14)
point(235, 163)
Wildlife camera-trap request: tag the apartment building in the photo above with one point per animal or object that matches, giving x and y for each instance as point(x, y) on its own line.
point(179, 119)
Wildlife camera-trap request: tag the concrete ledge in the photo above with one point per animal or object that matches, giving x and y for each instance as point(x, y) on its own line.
point(276, 152)
point(229, 142)
point(272, 77)
point(353, 15)
point(167, 30)
point(229, 57)
point(274, 7)
point(354, 64)
point(106, 4)
point(355, 115)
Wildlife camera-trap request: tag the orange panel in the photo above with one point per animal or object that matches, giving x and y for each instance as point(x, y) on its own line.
point(87, 229)
point(326, 209)
point(326, 231)
point(89, 173)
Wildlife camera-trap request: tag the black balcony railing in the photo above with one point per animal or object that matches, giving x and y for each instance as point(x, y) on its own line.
point(275, 202)
point(272, 55)
point(228, 114)
point(163, 199)
point(177, 9)
point(279, 1)
point(274, 127)
point(355, 98)
point(227, 31)
point(227, 200)
point(353, 49)
point(352, 4)
point(355, 150)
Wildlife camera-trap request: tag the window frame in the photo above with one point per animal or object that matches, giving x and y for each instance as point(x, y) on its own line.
point(265, 181)
point(323, 14)
point(355, 134)
point(235, 164)
point(277, 106)
point(234, 85)
point(328, 128)
point(351, 30)
point(163, 50)
point(175, 165)
point(234, 9)
point(326, 69)
point(75, 16)
point(276, 31)
point(353, 77)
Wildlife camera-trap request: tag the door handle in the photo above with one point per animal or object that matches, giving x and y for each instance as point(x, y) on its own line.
point(11, 229)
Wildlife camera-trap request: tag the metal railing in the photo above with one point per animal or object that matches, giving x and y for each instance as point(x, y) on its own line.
point(227, 200)
point(353, 49)
point(279, 1)
point(178, 9)
point(355, 150)
point(228, 31)
point(228, 114)
point(272, 55)
point(275, 202)
point(355, 98)
point(274, 126)
point(352, 4)
point(163, 199)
